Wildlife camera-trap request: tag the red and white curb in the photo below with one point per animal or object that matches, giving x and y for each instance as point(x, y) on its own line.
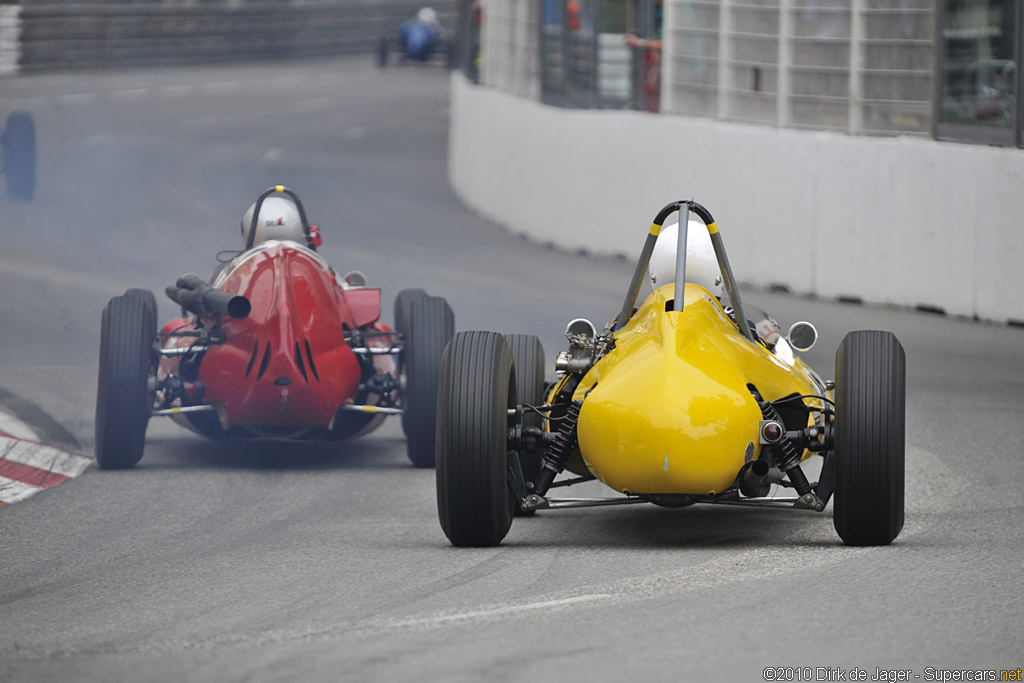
point(27, 467)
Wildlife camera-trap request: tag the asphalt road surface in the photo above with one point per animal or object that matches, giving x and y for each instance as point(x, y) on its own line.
point(242, 562)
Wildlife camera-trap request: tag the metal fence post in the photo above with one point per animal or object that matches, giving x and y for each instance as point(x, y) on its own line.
point(725, 53)
point(782, 104)
point(855, 114)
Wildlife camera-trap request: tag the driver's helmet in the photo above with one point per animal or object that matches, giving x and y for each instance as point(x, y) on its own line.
point(427, 15)
point(701, 263)
point(279, 220)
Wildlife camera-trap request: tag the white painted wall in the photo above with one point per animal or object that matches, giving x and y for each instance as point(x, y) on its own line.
point(905, 221)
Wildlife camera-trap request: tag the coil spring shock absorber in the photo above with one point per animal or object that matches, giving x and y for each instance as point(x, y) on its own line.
point(787, 457)
point(558, 452)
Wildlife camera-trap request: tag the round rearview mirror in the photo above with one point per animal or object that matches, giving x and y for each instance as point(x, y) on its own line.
point(581, 327)
point(802, 336)
point(355, 278)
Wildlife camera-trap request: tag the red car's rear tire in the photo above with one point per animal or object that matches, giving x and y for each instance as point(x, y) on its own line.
point(123, 403)
point(147, 297)
point(477, 387)
point(870, 428)
point(431, 325)
point(403, 307)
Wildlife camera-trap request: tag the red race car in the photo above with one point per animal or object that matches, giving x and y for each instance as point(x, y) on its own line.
point(278, 346)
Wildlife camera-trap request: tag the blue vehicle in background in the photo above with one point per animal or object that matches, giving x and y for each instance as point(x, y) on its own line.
point(18, 156)
point(419, 39)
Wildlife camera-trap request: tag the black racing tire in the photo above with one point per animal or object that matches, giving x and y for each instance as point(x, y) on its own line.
point(474, 502)
point(148, 298)
point(19, 156)
point(431, 325)
point(870, 429)
point(528, 357)
point(123, 404)
point(403, 306)
point(382, 53)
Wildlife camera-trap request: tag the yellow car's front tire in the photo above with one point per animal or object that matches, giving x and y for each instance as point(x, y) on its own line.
point(870, 426)
point(476, 389)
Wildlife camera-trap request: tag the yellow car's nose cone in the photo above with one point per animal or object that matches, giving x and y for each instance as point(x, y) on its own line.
point(670, 411)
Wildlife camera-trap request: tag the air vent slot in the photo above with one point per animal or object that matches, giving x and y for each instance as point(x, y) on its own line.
point(300, 363)
point(252, 361)
point(312, 365)
point(264, 363)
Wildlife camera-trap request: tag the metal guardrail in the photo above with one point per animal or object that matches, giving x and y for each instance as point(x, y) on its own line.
point(73, 36)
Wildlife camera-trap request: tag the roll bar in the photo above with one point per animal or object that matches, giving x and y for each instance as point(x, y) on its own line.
point(276, 189)
point(731, 289)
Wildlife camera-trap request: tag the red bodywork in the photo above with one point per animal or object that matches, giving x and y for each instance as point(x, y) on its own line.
point(287, 364)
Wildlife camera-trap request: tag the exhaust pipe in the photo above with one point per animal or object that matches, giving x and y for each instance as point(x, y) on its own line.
point(196, 295)
point(753, 479)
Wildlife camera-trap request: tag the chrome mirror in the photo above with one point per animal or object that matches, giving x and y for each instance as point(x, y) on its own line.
point(580, 327)
point(802, 336)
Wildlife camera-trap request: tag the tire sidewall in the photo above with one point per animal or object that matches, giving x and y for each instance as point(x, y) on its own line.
point(870, 435)
point(478, 385)
point(127, 332)
point(431, 325)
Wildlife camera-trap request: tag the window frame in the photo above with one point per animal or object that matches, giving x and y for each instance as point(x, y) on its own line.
point(965, 132)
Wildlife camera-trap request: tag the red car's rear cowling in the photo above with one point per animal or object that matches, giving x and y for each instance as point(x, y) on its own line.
point(287, 363)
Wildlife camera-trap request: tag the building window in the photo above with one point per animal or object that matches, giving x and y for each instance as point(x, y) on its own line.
point(978, 79)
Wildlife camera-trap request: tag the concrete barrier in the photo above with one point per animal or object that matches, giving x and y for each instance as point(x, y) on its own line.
point(903, 221)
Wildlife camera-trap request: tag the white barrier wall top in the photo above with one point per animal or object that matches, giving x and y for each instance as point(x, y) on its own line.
point(903, 221)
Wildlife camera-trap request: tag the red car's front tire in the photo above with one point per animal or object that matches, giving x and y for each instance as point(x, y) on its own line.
point(123, 404)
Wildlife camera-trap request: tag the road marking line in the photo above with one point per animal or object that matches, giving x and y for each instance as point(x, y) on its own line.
point(26, 474)
point(79, 98)
point(15, 427)
point(221, 86)
point(60, 276)
point(26, 468)
point(12, 491)
point(310, 105)
point(129, 94)
point(25, 102)
point(498, 611)
point(43, 457)
point(176, 90)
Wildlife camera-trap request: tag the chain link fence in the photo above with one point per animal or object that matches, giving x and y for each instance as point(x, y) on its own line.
point(859, 66)
point(862, 66)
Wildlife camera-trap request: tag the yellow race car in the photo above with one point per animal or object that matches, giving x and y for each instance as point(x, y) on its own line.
point(686, 399)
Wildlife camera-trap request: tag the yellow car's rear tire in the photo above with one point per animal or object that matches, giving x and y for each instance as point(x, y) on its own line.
point(477, 387)
point(870, 427)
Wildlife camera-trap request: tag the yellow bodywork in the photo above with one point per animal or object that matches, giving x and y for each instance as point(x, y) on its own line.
point(668, 410)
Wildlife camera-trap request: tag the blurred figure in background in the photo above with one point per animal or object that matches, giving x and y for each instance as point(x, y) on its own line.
point(651, 59)
point(418, 36)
